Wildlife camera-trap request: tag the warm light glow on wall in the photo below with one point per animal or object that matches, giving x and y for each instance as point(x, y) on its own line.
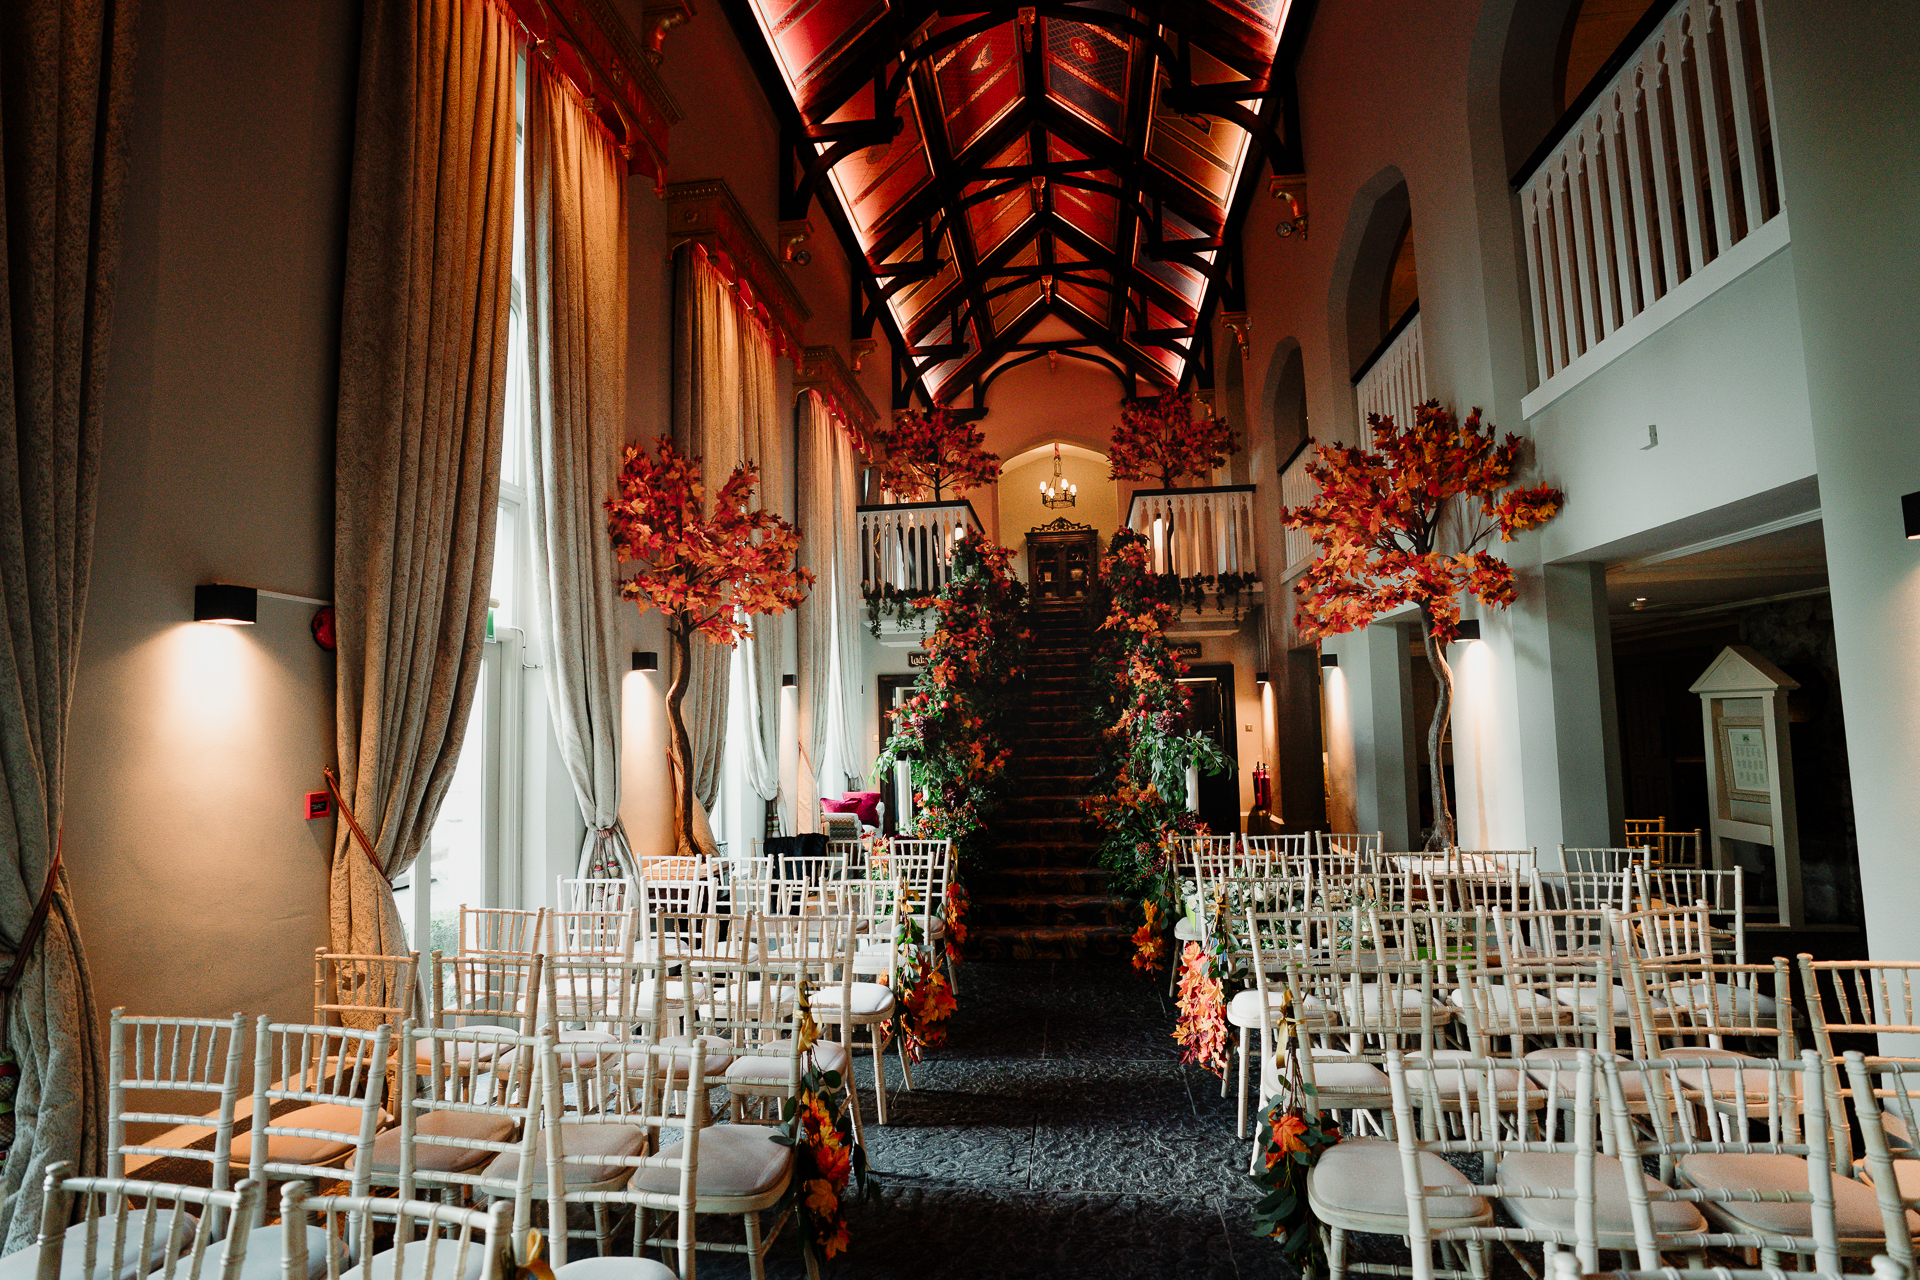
point(215, 679)
point(1472, 718)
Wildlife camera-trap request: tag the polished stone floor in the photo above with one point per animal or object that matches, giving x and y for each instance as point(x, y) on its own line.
point(1055, 1135)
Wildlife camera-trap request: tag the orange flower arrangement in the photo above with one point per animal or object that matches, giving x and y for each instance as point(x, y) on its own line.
point(1149, 941)
point(818, 1124)
point(1201, 1031)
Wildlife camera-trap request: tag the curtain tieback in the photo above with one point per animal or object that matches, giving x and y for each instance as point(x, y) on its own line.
point(353, 825)
point(36, 924)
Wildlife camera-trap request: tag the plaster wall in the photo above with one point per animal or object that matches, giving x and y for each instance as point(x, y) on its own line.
point(1021, 509)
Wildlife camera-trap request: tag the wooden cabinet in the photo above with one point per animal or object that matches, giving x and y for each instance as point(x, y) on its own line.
point(1061, 561)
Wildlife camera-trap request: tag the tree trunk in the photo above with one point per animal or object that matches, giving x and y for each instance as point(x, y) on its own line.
point(680, 745)
point(1442, 836)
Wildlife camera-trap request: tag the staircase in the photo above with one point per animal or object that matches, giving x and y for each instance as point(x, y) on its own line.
point(1041, 895)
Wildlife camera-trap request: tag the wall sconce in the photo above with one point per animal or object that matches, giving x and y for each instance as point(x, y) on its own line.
point(1329, 659)
point(223, 602)
point(646, 661)
point(1260, 677)
point(1469, 629)
point(1910, 509)
point(789, 680)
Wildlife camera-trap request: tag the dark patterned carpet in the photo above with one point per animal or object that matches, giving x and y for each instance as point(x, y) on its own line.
point(1055, 1135)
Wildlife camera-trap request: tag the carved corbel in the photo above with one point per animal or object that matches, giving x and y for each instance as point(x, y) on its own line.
point(793, 235)
point(1240, 325)
point(1290, 190)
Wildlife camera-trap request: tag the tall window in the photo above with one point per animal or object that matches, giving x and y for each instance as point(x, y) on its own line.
point(473, 855)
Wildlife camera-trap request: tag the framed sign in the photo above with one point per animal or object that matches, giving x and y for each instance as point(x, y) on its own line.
point(917, 658)
point(1185, 648)
point(1744, 747)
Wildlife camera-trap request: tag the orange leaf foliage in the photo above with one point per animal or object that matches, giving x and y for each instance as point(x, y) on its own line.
point(1382, 517)
point(711, 570)
point(932, 451)
point(1160, 439)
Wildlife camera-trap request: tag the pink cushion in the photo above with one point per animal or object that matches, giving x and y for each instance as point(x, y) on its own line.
point(866, 804)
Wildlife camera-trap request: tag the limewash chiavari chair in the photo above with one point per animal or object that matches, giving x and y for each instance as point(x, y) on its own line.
point(594, 893)
point(501, 930)
point(1272, 939)
point(1567, 1267)
point(316, 1112)
point(1270, 855)
point(457, 1122)
point(1891, 1087)
point(1231, 899)
point(1748, 1144)
point(807, 883)
point(1196, 860)
point(812, 953)
point(1878, 998)
point(1689, 1009)
point(457, 1244)
point(484, 989)
point(924, 869)
point(592, 935)
point(350, 988)
point(1349, 1013)
point(596, 1159)
point(114, 1240)
point(671, 886)
point(876, 955)
point(1614, 859)
point(151, 1063)
point(1722, 893)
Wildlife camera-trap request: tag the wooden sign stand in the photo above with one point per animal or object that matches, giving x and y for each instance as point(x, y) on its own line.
point(1743, 702)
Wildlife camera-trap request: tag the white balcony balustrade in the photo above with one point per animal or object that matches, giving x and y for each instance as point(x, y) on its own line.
point(1297, 489)
point(1394, 378)
point(1197, 532)
point(909, 545)
point(1661, 189)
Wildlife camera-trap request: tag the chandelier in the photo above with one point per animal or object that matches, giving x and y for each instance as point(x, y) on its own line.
point(1058, 493)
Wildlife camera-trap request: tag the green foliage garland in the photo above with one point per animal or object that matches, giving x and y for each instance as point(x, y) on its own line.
point(957, 726)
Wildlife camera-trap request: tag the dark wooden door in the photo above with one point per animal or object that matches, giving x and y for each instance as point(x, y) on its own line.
point(1060, 563)
point(1210, 711)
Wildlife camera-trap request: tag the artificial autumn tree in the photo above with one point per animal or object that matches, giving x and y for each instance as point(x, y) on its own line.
point(706, 573)
point(930, 451)
point(1160, 439)
point(1406, 524)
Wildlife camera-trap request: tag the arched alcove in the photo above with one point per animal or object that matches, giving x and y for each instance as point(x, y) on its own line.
point(1097, 503)
point(1287, 401)
point(1379, 229)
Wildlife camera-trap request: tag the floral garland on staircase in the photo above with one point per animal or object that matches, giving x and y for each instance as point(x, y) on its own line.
point(957, 727)
point(1138, 707)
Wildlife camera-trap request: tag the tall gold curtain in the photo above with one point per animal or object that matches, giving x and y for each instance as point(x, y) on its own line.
point(423, 363)
point(65, 78)
point(576, 245)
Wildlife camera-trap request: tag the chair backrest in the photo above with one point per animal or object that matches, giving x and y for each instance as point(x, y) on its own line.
point(463, 1079)
point(750, 886)
point(506, 930)
point(1707, 1106)
point(1680, 849)
point(596, 935)
point(1886, 1098)
point(593, 990)
point(1722, 893)
point(1592, 891)
point(160, 1237)
point(594, 893)
point(312, 1066)
point(1363, 846)
point(1266, 854)
point(468, 1243)
point(818, 948)
point(503, 990)
point(923, 869)
point(1644, 827)
point(1663, 933)
point(157, 1057)
point(1505, 1107)
point(1529, 1003)
point(1698, 1004)
point(1549, 933)
point(1525, 860)
point(635, 1083)
point(1602, 858)
point(674, 884)
point(874, 904)
point(351, 990)
point(1858, 998)
point(807, 882)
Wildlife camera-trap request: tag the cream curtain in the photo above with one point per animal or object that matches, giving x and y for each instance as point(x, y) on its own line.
point(726, 410)
point(423, 365)
point(576, 246)
point(65, 75)
point(818, 619)
point(849, 612)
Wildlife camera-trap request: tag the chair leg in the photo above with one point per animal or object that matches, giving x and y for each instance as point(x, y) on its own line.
point(879, 1046)
point(601, 1235)
point(953, 979)
point(756, 1263)
point(1242, 1131)
point(1336, 1244)
point(906, 1064)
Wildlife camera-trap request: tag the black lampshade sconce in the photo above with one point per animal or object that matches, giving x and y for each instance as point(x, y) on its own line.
point(1469, 629)
point(1910, 511)
point(646, 661)
point(223, 602)
point(1329, 659)
point(1260, 677)
point(789, 680)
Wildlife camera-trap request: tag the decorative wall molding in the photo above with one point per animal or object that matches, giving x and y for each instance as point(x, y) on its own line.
point(594, 48)
point(821, 370)
point(706, 213)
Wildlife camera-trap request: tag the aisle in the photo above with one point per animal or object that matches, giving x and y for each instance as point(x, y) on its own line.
point(1056, 1135)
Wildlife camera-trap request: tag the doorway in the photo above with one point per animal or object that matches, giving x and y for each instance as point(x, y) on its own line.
point(1210, 711)
point(895, 689)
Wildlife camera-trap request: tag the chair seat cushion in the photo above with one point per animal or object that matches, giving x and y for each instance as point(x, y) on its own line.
point(1716, 999)
point(1633, 1084)
point(1244, 1009)
point(737, 1162)
point(1538, 1172)
point(871, 998)
point(1722, 1082)
point(1335, 1074)
point(768, 1071)
point(448, 1262)
point(24, 1264)
point(1588, 996)
point(589, 1138)
point(1450, 1085)
point(1856, 1213)
point(1356, 1185)
point(457, 1050)
point(1185, 930)
point(335, 1117)
point(719, 1055)
point(434, 1157)
point(265, 1247)
point(615, 1269)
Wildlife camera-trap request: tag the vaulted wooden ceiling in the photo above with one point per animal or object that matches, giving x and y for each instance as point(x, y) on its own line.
point(1025, 179)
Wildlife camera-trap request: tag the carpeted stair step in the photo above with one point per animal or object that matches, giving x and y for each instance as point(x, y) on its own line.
point(1023, 882)
point(1053, 909)
point(1049, 942)
point(1008, 853)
